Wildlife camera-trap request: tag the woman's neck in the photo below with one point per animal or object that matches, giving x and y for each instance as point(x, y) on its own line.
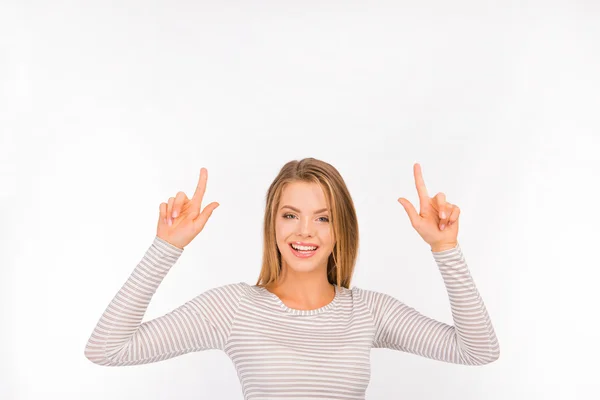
point(303, 294)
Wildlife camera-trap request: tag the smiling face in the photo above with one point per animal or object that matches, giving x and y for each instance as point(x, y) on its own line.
point(302, 218)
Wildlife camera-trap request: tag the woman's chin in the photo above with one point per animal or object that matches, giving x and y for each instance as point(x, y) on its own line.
point(303, 265)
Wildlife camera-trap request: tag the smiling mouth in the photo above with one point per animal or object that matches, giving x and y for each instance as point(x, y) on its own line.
point(303, 253)
point(299, 245)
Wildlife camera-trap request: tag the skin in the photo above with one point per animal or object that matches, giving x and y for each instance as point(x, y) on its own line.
point(303, 284)
point(437, 220)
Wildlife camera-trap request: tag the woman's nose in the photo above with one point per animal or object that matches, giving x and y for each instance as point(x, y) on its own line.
point(306, 227)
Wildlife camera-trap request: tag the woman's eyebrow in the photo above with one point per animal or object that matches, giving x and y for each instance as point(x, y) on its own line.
point(295, 209)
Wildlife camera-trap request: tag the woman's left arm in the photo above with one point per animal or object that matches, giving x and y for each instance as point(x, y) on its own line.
point(470, 341)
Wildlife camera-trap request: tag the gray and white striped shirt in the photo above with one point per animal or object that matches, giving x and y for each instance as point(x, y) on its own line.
point(280, 352)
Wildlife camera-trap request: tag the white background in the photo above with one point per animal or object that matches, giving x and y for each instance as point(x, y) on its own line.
point(109, 108)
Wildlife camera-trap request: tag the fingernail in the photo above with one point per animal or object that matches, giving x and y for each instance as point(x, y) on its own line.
point(442, 226)
point(175, 214)
point(443, 215)
point(170, 222)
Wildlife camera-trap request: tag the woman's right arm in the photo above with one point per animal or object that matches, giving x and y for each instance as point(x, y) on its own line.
point(120, 337)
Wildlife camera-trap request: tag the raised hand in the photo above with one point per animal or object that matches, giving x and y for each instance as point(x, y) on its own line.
point(437, 221)
point(180, 219)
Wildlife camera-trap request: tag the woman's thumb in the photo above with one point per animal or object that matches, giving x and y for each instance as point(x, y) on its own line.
point(410, 210)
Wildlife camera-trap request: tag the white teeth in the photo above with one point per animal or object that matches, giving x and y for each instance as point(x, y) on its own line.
point(305, 248)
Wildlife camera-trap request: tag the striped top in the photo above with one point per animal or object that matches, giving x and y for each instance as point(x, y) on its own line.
point(280, 352)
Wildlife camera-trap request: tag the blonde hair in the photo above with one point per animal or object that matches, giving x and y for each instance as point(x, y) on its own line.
point(343, 220)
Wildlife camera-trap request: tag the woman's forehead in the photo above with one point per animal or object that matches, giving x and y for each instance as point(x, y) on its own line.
point(305, 196)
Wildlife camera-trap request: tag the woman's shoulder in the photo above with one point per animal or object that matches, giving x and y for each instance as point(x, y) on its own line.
point(232, 290)
point(360, 291)
point(243, 289)
point(368, 295)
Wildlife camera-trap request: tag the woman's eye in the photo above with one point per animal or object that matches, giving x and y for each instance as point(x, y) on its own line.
point(285, 216)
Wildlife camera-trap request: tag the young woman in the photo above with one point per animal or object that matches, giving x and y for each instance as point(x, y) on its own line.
point(300, 332)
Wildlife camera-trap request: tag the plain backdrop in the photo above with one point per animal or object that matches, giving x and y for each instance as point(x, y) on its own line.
point(108, 109)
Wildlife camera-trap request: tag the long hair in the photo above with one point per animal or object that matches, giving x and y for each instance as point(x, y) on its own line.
point(344, 223)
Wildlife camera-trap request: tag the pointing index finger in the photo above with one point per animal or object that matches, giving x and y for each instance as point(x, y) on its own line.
point(420, 183)
point(201, 187)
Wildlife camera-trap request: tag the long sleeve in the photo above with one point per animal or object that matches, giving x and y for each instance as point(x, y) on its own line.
point(470, 341)
point(204, 322)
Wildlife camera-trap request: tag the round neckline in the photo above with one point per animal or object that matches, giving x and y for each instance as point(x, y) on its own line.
point(297, 311)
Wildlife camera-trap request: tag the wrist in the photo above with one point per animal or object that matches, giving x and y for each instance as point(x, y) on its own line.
point(442, 247)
